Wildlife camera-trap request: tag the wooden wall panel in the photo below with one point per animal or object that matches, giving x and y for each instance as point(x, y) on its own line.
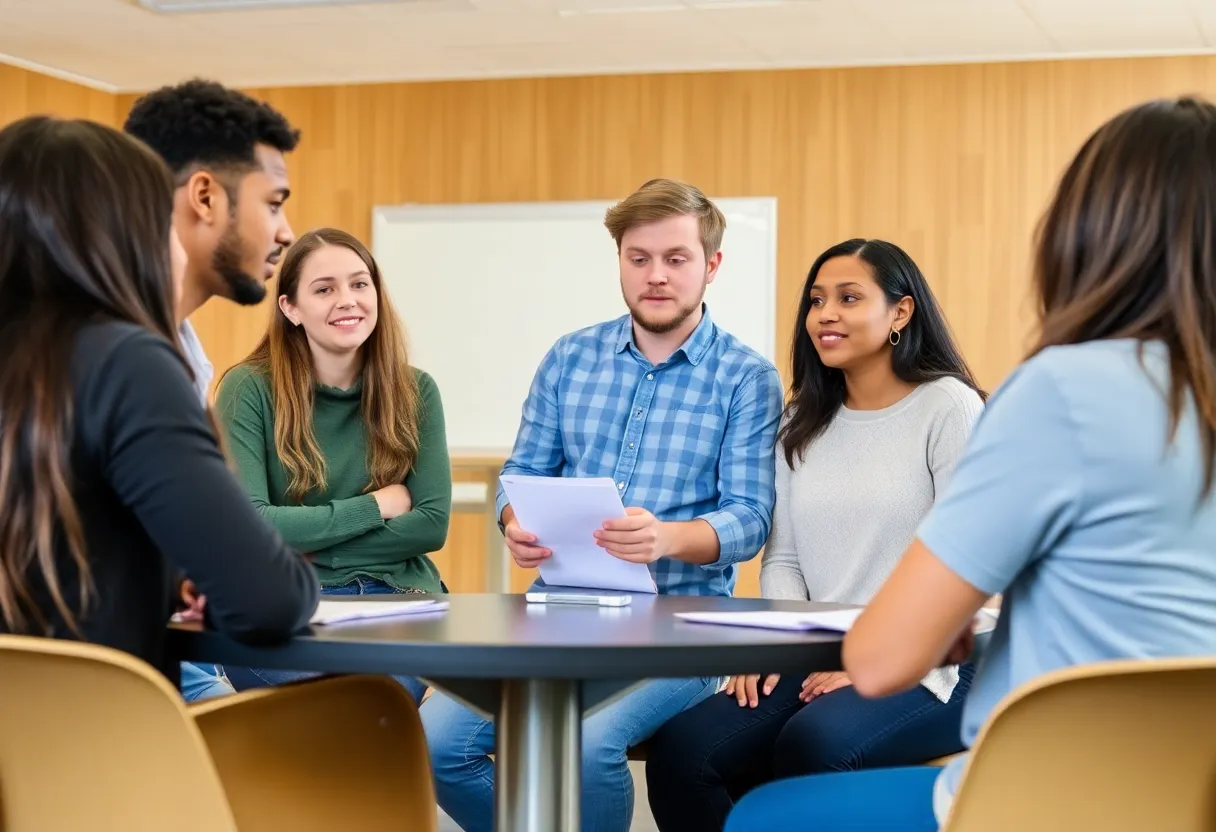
point(952, 162)
point(24, 93)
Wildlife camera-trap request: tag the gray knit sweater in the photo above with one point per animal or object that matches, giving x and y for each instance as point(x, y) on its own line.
point(848, 510)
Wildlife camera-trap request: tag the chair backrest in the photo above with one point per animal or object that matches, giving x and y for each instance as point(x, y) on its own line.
point(345, 752)
point(1115, 746)
point(93, 738)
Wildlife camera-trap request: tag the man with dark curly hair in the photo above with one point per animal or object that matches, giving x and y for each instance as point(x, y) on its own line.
point(226, 152)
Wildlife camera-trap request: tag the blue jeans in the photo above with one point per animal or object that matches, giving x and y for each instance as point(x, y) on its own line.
point(460, 742)
point(247, 678)
point(202, 681)
point(708, 757)
point(890, 799)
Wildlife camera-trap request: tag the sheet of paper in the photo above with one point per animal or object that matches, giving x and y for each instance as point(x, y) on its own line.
point(835, 620)
point(986, 619)
point(839, 621)
point(333, 612)
point(564, 513)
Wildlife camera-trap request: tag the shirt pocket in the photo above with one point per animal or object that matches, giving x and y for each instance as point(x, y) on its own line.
point(695, 442)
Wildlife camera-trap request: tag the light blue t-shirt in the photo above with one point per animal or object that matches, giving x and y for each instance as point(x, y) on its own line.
point(1072, 501)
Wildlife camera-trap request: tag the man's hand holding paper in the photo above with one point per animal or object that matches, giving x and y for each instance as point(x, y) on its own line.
point(552, 523)
point(638, 538)
point(522, 545)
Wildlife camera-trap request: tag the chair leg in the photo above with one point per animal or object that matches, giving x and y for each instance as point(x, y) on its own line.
point(335, 753)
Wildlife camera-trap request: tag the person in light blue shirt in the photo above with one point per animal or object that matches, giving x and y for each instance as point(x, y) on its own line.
point(683, 417)
point(1086, 494)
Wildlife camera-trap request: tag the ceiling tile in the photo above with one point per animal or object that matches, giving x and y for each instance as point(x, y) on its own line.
point(834, 48)
point(651, 30)
point(616, 7)
point(959, 28)
point(1204, 14)
point(267, 20)
point(808, 19)
point(811, 34)
point(482, 28)
point(1111, 26)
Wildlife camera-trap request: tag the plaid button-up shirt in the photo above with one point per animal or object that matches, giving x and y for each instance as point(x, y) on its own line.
point(690, 438)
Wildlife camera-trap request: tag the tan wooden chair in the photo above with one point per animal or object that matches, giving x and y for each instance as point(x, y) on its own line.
point(94, 739)
point(1117, 746)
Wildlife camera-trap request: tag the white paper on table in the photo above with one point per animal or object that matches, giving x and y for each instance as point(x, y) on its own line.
point(834, 620)
point(564, 513)
point(839, 621)
point(334, 612)
point(986, 619)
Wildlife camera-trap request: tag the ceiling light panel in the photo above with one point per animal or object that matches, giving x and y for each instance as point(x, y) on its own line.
point(194, 6)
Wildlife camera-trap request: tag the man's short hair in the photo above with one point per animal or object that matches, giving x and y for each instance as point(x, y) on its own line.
point(659, 199)
point(203, 124)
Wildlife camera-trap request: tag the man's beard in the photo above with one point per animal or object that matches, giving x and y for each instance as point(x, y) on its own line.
point(662, 327)
point(244, 288)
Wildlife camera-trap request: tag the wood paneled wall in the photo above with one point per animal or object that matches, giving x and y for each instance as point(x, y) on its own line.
point(952, 162)
point(24, 93)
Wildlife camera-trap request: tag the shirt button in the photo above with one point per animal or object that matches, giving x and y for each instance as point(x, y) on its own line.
point(631, 444)
point(620, 485)
point(637, 412)
point(650, 376)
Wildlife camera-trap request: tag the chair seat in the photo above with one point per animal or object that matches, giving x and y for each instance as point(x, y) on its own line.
point(941, 761)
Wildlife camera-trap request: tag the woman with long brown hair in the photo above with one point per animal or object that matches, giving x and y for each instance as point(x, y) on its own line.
point(1085, 495)
point(339, 441)
point(112, 481)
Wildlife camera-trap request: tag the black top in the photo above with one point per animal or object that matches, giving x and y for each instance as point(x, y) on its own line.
point(504, 636)
point(155, 496)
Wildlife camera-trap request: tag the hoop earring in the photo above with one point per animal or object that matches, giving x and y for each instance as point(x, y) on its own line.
point(894, 337)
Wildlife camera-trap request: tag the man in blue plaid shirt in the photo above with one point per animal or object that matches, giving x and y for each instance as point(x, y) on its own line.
point(683, 417)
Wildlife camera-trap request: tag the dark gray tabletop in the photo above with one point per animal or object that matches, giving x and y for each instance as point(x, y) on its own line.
point(505, 637)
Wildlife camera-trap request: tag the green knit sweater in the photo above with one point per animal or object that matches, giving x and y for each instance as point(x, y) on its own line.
point(341, 526)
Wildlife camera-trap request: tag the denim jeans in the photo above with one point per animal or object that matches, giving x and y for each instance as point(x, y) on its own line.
point(460, 742)
point(890, 799)
point(246, 678)
point(708, 757)
point(202, 681)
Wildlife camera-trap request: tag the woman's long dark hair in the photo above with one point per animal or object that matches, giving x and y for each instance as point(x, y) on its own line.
point(926, 349)
point(84, 236)
point(1127, 248)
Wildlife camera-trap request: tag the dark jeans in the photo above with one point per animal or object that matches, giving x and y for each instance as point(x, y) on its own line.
point(708, 757)
point(248, 678)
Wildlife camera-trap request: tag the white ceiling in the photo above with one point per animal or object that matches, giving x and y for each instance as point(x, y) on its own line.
point(118, 45)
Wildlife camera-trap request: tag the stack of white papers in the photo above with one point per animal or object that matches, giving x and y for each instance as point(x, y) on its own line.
point(333, 612)
point(564, 513)
point(834, 620)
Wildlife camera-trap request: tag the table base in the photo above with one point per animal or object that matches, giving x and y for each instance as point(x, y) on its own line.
point(538, 763)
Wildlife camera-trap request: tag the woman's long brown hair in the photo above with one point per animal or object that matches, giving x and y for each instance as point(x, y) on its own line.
point(84, 237)
point(1127, 248)
point(390, 397)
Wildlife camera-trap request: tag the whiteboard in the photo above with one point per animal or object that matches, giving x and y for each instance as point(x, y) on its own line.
point(484, 290)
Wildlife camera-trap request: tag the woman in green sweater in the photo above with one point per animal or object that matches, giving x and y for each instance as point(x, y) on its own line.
point(338, 440)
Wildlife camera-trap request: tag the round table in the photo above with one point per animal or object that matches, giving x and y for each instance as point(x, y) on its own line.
point(537, 669)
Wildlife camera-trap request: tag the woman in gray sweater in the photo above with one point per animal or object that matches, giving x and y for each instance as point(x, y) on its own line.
point(881, 408)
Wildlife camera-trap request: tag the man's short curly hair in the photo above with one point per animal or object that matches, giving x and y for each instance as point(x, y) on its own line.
point(201, 123)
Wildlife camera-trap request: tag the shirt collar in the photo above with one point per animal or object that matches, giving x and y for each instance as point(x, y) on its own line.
point(694, 347)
